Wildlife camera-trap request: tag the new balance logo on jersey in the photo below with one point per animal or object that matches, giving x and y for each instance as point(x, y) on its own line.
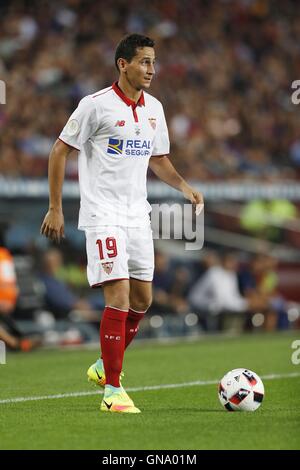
point(120, 124)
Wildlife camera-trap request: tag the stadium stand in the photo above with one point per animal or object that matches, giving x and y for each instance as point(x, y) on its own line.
point(224, 73)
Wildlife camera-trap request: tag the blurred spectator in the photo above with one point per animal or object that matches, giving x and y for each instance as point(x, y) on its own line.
point(224, 74)
point(161, 284)
point(60, 299)
point(217, 293)
point(169, 287)
point(208, 259)
point(179, 289)
point(260, 280)
point(266, 219)
point(9, 331)
point(8, 280)
point(217, 290)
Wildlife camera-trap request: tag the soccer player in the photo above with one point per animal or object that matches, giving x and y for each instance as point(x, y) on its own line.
point(118, 132)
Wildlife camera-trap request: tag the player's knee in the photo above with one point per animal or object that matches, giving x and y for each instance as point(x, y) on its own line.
point(117, 295)
point(120, 301)
point(141, 305)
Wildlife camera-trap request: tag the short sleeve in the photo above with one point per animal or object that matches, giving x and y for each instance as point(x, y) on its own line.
point(81, 125)
point(161, 141)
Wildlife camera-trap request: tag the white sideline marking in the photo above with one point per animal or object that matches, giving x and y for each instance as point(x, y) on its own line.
point(139, 389)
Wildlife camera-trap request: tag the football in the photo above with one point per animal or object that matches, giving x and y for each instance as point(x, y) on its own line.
point(241, 390)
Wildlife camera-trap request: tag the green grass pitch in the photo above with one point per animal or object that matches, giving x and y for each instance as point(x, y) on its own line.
point(188, 417)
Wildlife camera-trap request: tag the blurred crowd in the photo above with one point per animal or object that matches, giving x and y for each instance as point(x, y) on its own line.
point(218, 292)
point(219, 286)
point(224, 73)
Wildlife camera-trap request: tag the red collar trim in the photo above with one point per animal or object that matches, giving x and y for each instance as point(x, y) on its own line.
point(128, 101)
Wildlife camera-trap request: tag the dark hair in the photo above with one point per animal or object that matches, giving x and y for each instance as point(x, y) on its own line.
point(126, 49)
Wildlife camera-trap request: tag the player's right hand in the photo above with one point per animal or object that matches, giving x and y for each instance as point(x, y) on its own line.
point(53, 225)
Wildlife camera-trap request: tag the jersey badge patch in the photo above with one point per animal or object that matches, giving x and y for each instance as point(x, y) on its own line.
point(108, 267)
point(152, 122)
point(72, 127)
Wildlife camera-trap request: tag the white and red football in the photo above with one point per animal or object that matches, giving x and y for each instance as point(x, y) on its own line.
point(241, 390)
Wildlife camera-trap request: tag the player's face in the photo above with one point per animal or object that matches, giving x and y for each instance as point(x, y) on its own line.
point(140, 70)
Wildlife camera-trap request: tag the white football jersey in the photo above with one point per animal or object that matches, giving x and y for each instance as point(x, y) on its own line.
point(116, 138)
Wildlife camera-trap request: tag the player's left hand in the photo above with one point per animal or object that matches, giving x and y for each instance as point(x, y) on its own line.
point(195, 197)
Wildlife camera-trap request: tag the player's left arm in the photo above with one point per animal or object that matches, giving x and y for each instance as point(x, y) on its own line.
point(165, 171)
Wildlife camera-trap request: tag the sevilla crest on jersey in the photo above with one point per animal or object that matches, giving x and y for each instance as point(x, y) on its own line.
point(108, 267)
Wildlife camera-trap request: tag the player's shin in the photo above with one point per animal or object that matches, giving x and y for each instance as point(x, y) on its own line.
point(112, 339)
point(132, 325)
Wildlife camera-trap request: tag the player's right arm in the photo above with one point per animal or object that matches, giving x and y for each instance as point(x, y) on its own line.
point(80, 127)
point(53, 223)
